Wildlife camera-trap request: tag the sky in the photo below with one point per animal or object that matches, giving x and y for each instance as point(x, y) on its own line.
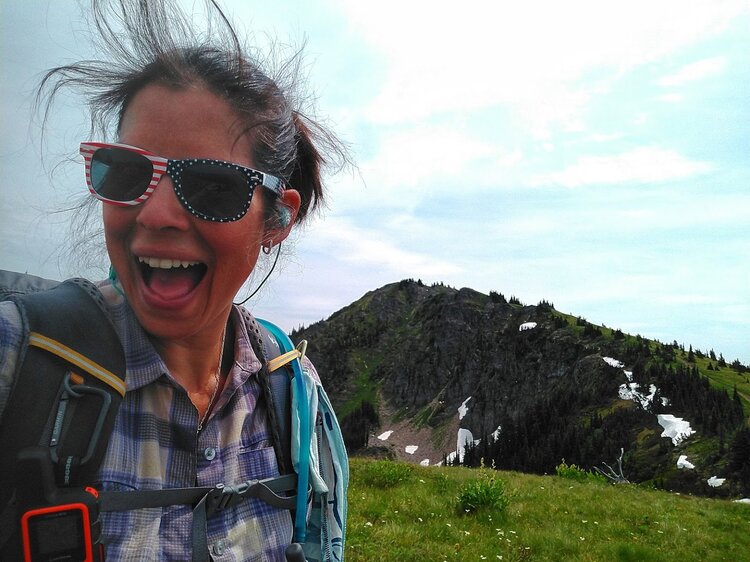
point(592, 154)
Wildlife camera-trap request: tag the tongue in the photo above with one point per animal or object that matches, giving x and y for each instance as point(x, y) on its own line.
point(172, 283)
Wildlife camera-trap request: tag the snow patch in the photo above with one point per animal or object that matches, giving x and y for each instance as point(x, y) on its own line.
point(628, 375)
point(631, 391)
point(614, 363)
point(463, 409)
point(425, 462)
point(463, 438)
point(682, 462)
point(676, 429)
point(496, 433)
point(527, 326)
point(385, 435)
point(715, 482)
point(411, 449)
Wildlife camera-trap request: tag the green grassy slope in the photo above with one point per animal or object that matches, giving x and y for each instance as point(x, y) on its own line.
point(403, 512)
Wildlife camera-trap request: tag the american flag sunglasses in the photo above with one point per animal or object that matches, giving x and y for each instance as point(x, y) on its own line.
point(212, 190)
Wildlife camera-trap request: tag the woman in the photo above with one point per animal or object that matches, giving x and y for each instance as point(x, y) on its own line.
point(210, 166)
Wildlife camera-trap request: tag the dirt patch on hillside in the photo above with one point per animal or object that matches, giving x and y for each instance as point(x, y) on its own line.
point(432, 443)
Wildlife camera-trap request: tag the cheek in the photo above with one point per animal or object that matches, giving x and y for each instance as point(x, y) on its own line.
point(117, 223)
point(238, 246)
point(241, 240)
point(117, 220)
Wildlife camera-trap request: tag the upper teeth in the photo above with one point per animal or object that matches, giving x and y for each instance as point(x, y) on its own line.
point(166, 263)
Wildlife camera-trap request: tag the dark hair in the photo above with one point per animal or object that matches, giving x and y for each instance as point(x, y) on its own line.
point(153, 42)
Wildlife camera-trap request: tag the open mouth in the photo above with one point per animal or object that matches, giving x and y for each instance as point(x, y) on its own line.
point(171, 278)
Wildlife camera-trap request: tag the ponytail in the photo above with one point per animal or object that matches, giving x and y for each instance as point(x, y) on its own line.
point(306, 173)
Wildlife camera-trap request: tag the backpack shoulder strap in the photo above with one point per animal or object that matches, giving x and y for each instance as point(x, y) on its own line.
point(319, 455)
point(68, 383)
point(289, 355)
point(279, 382)
point(67, 386)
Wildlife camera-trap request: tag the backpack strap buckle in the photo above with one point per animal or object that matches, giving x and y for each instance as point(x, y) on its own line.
point(71, 392)
point(269, 490)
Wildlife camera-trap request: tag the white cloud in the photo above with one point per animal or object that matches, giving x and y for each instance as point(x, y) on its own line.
point(671, 98)
point(410, 157)
point(604, 137)
point(445, 58)
point(640, 165)
point(374, 249)
point(419, 162)
point(694, 71)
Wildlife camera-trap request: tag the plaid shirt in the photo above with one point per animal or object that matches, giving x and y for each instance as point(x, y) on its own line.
point(155, 445)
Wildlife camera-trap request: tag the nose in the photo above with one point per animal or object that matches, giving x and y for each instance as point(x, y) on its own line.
point(162, 210)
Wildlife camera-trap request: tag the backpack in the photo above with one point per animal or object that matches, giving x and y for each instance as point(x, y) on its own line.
point(68, 384)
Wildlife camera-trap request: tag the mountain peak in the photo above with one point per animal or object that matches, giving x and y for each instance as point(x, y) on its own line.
point(406, 357)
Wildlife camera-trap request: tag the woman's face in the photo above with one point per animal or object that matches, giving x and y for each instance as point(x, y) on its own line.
point(151, 244)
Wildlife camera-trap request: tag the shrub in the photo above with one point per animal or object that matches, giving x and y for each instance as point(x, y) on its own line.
point(485, 492)
point(573, 472)
point(385, 474)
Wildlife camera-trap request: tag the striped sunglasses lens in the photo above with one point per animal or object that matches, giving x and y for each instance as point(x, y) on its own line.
point(120, 175)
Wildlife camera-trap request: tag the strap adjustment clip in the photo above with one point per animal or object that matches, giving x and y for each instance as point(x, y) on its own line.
point(268, 490)
point(223, 497)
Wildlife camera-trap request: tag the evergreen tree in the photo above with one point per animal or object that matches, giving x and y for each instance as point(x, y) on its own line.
point(496, 297)
point(739, 453)
point(545, 305)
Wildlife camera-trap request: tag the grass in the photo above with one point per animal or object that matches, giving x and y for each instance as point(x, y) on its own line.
point(400, 513)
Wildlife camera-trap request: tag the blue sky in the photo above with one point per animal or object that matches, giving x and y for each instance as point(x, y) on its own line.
point(593, 154)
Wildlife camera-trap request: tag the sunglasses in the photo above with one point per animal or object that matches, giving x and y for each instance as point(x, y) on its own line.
point(209, 189)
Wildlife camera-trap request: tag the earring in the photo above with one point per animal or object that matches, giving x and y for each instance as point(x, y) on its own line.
point(266, 247)
point(113, 280)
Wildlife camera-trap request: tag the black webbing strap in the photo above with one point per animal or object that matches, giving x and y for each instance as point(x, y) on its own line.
point(215, 499)
point(207, 501)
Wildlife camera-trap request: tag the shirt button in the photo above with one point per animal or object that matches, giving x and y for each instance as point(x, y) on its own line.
point(219, 547)
point(209, 453)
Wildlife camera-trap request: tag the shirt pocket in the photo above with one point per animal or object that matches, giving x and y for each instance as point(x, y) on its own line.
point(256, 458)
point(258, 462)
